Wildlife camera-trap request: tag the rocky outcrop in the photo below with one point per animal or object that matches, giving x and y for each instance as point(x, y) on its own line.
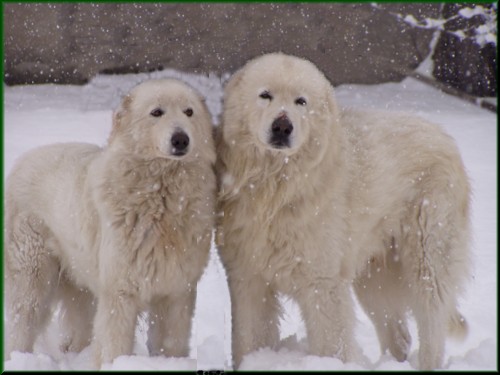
point(462, 59)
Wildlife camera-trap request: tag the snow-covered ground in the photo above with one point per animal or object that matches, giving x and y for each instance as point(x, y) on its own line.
point(37, 115)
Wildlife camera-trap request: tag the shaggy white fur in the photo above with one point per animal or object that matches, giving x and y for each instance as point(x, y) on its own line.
point(316, 199)
point(115, 231)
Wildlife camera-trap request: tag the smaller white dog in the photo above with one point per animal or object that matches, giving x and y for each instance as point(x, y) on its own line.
point(128, 226)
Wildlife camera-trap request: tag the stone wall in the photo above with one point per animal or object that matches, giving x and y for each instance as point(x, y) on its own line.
point(72, 42)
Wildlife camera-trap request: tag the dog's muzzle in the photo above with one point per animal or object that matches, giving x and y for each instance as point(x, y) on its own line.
point(281, 130)
point(180, 143)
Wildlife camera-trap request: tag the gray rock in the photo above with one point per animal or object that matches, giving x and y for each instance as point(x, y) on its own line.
point(461, 62)
point(72, 42)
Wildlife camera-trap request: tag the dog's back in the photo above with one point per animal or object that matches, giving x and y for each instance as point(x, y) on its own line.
point(45, 182)
point(410, 199)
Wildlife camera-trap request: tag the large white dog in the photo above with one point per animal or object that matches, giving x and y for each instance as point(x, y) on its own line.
point(113, 231)
point(316, 199)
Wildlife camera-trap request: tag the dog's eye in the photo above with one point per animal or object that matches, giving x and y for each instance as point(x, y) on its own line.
point(300, 101)
point(266, 95)
point(157, 112)
point(188, 112)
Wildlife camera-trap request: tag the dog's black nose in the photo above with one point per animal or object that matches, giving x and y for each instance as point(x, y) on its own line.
point(180, 143)
point(281, 128)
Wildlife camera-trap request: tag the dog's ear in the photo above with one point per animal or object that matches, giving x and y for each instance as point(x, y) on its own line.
point(233, 81)
point(332, 101)
point(229, 87)
point(118, 117)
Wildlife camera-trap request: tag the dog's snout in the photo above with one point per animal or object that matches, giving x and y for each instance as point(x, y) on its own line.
point(180, 143)
point(281, 129)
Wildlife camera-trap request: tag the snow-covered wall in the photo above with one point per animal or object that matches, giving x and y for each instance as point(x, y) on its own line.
point(72, 42)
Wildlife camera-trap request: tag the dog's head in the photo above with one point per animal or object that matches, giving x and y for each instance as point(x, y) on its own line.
point(164, 118)
point(280, 103)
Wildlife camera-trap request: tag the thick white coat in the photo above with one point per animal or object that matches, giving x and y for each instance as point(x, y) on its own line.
point(371, 199)
point(113, 231)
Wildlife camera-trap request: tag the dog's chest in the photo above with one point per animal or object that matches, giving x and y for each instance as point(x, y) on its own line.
point(279, 235)
point(171, 236)
point(283, 239)
point(171, 265)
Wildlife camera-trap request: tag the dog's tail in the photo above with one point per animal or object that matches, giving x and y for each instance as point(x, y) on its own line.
point(457, 326)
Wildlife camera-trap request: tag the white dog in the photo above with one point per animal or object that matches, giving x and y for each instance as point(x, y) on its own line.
point(128, 225)
point(315, 199)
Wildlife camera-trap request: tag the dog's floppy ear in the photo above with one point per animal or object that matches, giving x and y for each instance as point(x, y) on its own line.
point(118, 116)
point(332, 101)
point(234, 81)
point(229, 88)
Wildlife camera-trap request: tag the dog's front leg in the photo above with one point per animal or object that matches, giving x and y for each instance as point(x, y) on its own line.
point(255, 313)
point(114, 325)
point(170, 320)
point(329, 318)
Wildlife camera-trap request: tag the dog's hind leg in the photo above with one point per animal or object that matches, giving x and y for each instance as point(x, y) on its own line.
point(170, 321)
point(380, 292)
point(435, 263)
point(429, 310)
point(30, 275)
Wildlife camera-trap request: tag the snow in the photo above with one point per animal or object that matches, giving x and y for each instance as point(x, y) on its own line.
point(37, 115)
point(471, 12)
point(482, 34)
point(426, 67)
